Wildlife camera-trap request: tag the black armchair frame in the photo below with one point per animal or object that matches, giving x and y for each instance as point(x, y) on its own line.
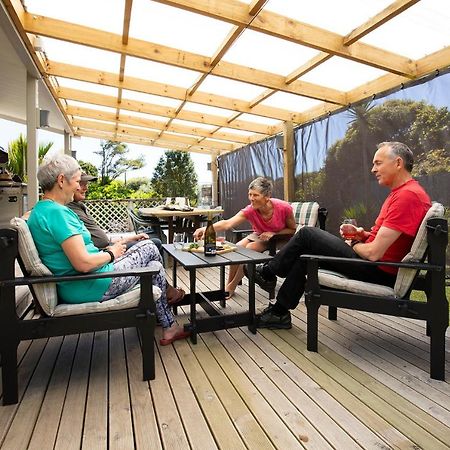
point(435, 311)
point(14, 329)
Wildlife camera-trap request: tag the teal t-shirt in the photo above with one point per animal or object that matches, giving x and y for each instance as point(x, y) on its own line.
point(51, 224)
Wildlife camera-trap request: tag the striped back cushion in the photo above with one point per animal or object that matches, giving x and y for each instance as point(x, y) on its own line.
point(305, 214)
point(45, 292)
point(406, 276)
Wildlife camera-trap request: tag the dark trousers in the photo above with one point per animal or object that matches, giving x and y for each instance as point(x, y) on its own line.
point(314, 241)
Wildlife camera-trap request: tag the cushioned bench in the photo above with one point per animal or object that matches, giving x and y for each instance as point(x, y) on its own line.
point(135, 308)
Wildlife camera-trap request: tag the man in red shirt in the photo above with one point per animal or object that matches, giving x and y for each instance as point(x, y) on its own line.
point(390, 239)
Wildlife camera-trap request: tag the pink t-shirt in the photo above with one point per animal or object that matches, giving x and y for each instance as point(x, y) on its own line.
point(281, 211)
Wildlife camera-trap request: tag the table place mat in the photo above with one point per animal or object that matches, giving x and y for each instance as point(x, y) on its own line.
point(221, 249)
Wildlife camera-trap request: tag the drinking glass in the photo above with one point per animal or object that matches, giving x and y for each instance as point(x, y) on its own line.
point(220, 237)
point(178, 240)
point(348, 228)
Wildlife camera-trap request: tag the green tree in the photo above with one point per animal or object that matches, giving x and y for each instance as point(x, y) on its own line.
point(175, 176)
point(114, 190)
point(17, 155)
point(435, 161)
point(88, 168)
point(114, 162)
point(421, 126)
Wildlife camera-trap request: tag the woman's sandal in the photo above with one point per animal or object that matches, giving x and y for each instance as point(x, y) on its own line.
point(182, 335)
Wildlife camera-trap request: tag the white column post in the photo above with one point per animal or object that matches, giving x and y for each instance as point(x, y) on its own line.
point(67, 143)
point(32, 145)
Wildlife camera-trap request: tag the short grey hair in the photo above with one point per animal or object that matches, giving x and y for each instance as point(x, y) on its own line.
point(262, 185)
point(401, 150)
point(54, 166)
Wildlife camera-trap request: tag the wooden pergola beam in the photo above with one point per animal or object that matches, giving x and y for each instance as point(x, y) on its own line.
point(157, 125)
point(59, 69)
point(104, 40)
point(283, 27)
point(134, 105)
point(151, 135)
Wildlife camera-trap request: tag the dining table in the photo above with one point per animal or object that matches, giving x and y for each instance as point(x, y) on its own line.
point(197, 215)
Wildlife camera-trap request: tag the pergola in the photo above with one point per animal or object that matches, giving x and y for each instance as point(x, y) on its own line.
point(208, 76)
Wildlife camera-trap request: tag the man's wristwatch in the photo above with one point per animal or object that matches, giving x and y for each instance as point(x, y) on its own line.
point(111, 254)
point(354, 242)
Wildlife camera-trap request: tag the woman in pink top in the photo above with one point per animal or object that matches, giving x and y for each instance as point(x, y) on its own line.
point(268, 216)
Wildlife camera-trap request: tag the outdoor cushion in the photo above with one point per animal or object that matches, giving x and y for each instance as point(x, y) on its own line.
point(46, 293)
point(305, 214)
point(335, 280)
point(406, 276)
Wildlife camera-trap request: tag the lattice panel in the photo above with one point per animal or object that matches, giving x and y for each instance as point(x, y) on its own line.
point(112, 216)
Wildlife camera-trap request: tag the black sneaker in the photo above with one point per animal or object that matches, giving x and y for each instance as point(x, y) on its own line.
point(268, 284)
point(268, 319)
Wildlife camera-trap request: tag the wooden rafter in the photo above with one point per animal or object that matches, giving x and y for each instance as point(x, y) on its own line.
point(163, 111)
point(302, 33)
point(373, 23)
point(58, 69)
point(91, 37)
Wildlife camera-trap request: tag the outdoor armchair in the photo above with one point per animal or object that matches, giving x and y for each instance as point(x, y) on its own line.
point(335, 290)
point(135, 308)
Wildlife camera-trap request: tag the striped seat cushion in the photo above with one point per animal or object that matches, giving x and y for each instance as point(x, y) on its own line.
point(305, 214)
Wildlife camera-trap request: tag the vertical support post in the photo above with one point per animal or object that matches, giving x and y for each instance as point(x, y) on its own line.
point(215, 178)
point(32, 147)
point(67, 143)
point(288, 161)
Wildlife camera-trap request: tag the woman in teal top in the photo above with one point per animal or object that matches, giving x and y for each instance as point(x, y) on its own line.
point(66, 248)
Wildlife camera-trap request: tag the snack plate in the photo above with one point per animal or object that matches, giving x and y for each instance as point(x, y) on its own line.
point(221, 249)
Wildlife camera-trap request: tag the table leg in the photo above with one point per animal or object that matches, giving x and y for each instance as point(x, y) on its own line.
point(193, 314)
point(222, 286)
point(251, 298)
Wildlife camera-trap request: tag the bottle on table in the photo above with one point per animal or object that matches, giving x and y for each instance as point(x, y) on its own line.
point(210, 238)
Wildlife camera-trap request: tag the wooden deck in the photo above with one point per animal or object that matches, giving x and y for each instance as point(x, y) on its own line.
point(368, 387)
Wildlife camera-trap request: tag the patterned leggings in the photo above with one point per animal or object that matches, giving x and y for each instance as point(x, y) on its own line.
point(141, 255)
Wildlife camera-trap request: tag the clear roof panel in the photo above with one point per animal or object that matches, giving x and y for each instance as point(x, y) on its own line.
point(165, 25)
point(205, 109)
point(342, 74)
point(268, 53)
point(90, 106)
point(187, 123)
point(419, 31)
point(161, 73)
point(84, 86)
point(100, 14)
point(291, 102)
point(149, 98)
point(259, 119)
point(230, 88)
point(78, 55)
point(339, 16)
point(138, 114)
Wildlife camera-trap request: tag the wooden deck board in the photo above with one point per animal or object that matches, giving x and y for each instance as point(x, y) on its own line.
point(367, 387)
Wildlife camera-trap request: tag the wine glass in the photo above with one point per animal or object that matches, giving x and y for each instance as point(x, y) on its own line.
point(178, 240)
point(348, 228)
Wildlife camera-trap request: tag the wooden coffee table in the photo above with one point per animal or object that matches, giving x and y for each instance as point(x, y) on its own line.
point(217, 319)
